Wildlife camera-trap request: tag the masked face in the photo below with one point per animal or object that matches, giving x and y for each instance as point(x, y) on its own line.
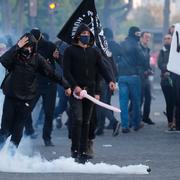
point(26, 53)
point(137, 35)
point(84, 39)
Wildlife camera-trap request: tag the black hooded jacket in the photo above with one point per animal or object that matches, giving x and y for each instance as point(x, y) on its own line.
point(21, 81)
point(45, 48)
point(81, 65)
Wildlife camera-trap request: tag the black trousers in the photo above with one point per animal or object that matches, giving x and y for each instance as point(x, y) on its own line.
point(15, 113)
point(146, 98)
point(92, 124)
point(48, 95)
point(169, 95)
point(177, 102)
point(81, 112)
point(103, 113)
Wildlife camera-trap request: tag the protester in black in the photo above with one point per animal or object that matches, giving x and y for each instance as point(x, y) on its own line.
point(20, 86)
point(46, 88)
point(106, 93)
point(82, 63)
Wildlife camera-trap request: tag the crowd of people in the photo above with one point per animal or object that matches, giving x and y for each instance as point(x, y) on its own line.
point(56, 73)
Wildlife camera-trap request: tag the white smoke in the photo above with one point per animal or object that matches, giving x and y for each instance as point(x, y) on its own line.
point(24, 161)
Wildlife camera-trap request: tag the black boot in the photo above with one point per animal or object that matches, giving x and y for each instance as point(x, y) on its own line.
point(148, 121)
point(74, 154)
point(83, 158)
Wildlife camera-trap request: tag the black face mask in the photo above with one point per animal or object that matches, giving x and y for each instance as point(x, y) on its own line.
point(25, 54)
point(137, 38)
point(84, 39)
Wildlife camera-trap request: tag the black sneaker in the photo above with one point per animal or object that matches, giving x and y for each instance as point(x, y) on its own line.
point(58, 122)
point(148, 121)
point(116, 128)
point(74, 154)
point(83, 158)
point(125, 130)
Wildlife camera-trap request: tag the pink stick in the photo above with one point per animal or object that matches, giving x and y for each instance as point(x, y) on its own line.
point(84, 94)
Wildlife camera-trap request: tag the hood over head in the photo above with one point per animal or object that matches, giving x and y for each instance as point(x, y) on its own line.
point(81, 28)
point(41, 42)
point(36, 33)
point(132, 31)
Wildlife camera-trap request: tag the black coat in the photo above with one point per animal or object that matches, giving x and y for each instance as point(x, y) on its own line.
point(115, 49)
point(46, 48)
point(21, 81)
point(83, 65)
point(131, 60)
point(163, 59)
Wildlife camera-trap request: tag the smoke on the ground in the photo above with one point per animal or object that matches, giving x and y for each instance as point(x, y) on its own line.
point(25, 161)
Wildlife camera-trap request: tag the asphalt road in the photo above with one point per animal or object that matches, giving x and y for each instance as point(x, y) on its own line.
point(150, 146)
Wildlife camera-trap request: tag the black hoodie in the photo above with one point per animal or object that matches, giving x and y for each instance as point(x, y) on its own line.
point(45, 48)
point(81, 65)
point(21, 81)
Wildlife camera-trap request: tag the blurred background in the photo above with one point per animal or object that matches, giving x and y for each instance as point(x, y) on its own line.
point(18, 16)
point(155, 16)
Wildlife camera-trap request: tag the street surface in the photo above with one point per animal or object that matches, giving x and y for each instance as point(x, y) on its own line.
point(150, 146)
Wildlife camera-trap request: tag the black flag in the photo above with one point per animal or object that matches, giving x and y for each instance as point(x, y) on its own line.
point(85, 13)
